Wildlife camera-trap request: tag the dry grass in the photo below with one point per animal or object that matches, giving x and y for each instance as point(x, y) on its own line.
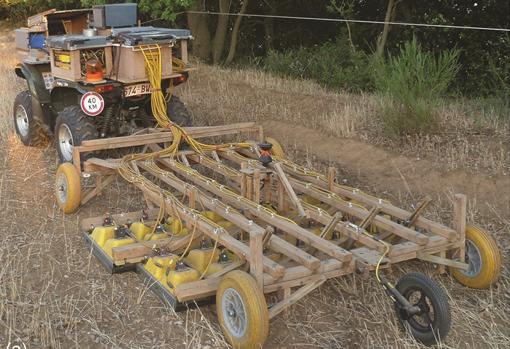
point(54, 294)
point(470, 138)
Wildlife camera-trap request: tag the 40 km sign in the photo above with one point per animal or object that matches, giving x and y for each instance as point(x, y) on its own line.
point(92, 103)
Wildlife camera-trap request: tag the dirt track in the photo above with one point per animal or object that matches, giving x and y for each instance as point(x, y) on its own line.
point(386, 171)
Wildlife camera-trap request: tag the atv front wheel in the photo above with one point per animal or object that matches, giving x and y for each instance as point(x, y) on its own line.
point(72, 127)
point(28, 128)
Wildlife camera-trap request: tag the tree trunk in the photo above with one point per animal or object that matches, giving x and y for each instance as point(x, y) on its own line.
point(381, 42)
point(269, 31)
point(199, 26)
point(235, 33)
point(218, 43)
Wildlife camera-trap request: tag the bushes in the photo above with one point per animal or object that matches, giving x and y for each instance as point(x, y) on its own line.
point(411, 85)
point(334, 65)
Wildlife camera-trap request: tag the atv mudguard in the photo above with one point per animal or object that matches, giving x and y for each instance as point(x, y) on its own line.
point(41, 100)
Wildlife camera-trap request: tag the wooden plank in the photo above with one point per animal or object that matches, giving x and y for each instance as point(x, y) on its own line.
point(346, 229)
point(162, 137)
point(256, 186)
point(269, 217)
point(357, 195)
point(298, 276)
point(97, 190)
point(279, 245)
point(138, 251)
point(229, 268)
point(331, 177)
point(194, 290)
point(256, 254)
point(295, 297)
point(288, 187)
point(346, 207)
point(442, 261)
point(459, 222)
point(226, 212)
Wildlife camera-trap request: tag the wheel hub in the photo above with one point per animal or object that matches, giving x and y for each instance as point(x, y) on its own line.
point(61, 183)
point(22, 122)
point(65, 142)
point(473, 258)
point(234, 313)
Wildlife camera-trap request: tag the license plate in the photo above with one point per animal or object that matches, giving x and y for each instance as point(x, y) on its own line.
point(137, 90)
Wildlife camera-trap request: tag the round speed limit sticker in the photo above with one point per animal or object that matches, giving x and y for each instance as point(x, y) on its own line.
point(92, 103)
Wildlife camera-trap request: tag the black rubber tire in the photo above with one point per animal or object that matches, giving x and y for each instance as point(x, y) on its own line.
point(176, 110)
point(439, 326)
point(35, 135)
point(82, 128)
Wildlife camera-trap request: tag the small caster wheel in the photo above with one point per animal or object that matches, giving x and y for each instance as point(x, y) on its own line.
point(432, 323)
point(67, 188)
point(484, 259)
point(242, 310)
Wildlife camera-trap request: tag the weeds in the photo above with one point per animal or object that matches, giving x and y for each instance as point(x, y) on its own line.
point(334, 65)
point(411, 85)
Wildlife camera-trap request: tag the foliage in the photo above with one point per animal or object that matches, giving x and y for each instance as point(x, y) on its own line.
point(18, 10)
point(411, 84)
point(333, 65)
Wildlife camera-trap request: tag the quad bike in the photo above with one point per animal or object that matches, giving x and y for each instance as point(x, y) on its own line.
point(86, 75)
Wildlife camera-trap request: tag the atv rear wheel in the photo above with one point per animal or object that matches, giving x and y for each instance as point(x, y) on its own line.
point(176, 111)
point(72, 127)
point(28, 128)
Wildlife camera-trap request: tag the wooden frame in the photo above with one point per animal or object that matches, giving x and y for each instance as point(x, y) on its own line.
point(319, 230)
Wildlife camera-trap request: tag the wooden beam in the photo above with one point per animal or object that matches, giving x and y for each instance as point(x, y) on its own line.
point(269, 217)
point(221, 209)
point(345, 228)
point(459, 222)
point(163, 137)
point(442, 261)
point(288, 187)
point(359, 196)
point(279, 245)
point(256, 254)
point(89, 195)
point(224, 239)
point(358, 212)
point(294, 297)
point(138, 251)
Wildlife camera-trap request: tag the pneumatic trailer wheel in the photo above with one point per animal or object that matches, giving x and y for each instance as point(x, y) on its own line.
point(28, 128)
point(484, 259)
point(68, 188)
point(242, 310)
point(432, 323)
point(72, 127)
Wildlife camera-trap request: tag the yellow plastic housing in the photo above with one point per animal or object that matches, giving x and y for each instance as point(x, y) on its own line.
point(199, 258)
point(179, 277)
point(158, 266)
point(225, 224)
point(140, 230)
point(102, 234)
point(111, 243)
point(213, 216)
point(155, 236)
